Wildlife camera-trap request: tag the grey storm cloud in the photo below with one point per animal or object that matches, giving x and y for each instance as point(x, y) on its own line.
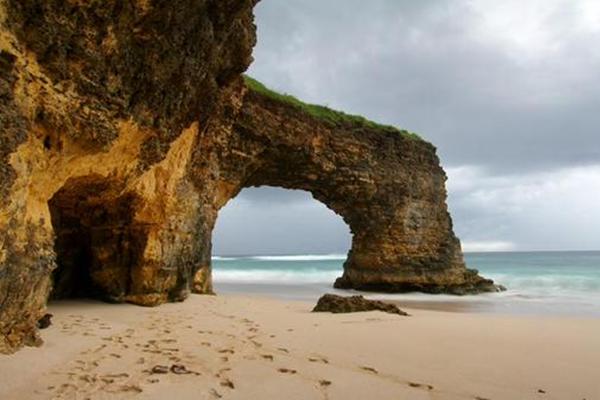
point(508, 91)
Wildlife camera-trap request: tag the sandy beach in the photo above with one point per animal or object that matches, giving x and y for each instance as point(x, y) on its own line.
point(237, 347)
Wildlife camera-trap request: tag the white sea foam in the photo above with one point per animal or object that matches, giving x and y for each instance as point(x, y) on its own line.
point(306, 257)
point(550, 284)
point(300, 257)
point(275, 276)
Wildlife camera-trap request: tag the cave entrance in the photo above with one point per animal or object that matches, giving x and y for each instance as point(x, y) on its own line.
point(271, 237)
point(96, 242)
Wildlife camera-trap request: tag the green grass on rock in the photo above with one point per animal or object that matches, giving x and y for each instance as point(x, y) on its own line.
point(322, 112)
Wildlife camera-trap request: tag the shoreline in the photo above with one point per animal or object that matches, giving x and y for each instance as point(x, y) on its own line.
point(257, 347)
point(509, 303)
point(538, 283)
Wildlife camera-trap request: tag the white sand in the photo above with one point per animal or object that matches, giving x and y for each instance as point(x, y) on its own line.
point(257, 348)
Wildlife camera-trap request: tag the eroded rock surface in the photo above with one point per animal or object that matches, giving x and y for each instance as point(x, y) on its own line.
point(348, 304)
point(102, 107)
point(388, 187)
point(126, 126)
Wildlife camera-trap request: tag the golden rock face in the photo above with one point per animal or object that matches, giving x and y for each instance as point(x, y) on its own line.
point(126, 126)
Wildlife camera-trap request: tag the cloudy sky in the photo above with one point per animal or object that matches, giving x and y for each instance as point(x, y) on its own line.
point(508, 91)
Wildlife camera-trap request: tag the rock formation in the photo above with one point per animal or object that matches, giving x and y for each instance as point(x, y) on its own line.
point(126, 126)
point(340, 304)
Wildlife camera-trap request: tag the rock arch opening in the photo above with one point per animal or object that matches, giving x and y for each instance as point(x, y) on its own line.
point(271, 220)
point(273, 236)
point(97, 242)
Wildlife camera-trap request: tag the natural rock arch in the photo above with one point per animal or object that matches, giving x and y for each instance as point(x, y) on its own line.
point(140, 109)
point(388, 187)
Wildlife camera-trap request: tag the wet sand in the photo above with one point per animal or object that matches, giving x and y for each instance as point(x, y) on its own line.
point(246, 347)
point(446, 306)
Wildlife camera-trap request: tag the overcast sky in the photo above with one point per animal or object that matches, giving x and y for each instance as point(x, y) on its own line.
point(508, 91)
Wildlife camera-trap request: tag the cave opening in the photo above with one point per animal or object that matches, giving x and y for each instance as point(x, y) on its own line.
point(271, 238)
point(97, 244)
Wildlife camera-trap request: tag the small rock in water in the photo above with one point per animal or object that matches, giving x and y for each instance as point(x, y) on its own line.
point(45, 321)
point(340, 304)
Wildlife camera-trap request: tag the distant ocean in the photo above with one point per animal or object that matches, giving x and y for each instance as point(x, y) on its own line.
point(560, 283)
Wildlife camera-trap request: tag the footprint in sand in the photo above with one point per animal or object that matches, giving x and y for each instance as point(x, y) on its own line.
point(318, 359)
point(116, 376)
point(159, 369)
point(420, 385)
point(88, 378)
point(180, 369)
point(282, 349)
point(227, 383)
point(369, 369)
point(287, 371)
point(130, 388)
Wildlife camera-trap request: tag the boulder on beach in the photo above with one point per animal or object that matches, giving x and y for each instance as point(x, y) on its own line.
point(341, 304)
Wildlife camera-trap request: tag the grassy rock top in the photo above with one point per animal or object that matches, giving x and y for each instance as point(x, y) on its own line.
point(327, 114)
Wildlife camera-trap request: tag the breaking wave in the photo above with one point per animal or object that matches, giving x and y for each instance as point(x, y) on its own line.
point(279, 276)
point(305, 257)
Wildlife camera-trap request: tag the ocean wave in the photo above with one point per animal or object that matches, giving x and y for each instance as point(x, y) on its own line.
point(275, 276)
point(306, 257)
point(549, 284)
point(300, 257)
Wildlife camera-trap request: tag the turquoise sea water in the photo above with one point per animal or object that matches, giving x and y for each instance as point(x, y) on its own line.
point(538, 282)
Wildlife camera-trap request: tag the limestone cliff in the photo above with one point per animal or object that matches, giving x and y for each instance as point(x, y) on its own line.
point(126, 126)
